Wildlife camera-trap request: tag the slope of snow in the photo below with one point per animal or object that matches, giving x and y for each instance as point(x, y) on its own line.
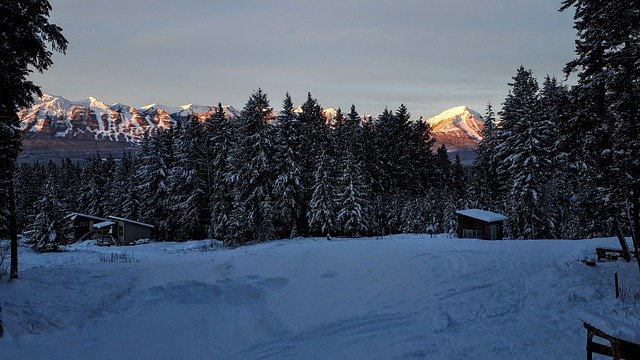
point(398, 297)
point(456, 119)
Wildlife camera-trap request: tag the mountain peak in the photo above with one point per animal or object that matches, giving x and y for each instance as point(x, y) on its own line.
point(459, 127)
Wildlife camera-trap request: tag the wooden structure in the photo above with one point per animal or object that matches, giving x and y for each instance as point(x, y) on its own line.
point(83, 225)
point(480, 224)
point(109, 231)
point(612, 254)
point(126, 231)
point(618, 348)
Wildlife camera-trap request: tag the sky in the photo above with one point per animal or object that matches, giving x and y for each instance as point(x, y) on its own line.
point(428, 54)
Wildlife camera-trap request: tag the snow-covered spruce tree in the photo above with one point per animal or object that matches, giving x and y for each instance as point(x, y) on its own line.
point(93, 197)
point(561, 190)
point(394, 132)
point(126, 184)
point(287, 189)
point(252, 161)
point(314, 138)
point(51, 227)
point(153, 186)
point(28, 42)
point(524, 156)
point(442, 205)
point(485, 183)
point(219, 137)
point(322, 208)
point(187, 195)
point(352, 216)
point(608, 49)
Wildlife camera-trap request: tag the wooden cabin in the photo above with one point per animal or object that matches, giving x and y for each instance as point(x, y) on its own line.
point(480, 224)
point(111, 230)
point(126, 231)
point(83, 225)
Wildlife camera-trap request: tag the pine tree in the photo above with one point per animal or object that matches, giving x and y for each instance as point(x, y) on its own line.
point(252, 162)
point(187, 194)
point(607, 101)
point(352, 217)
point(523, 149)
point(322, 210)
point(485, 183)
point(51, 227)
point(288, 191)
point(92, 191)
point(153, 186)
point(26, 37)
point(217, 171)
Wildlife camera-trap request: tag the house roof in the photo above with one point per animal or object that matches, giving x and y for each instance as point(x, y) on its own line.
point(103, 224)
point(131, 221)
point(483, 215)
point(72, 216)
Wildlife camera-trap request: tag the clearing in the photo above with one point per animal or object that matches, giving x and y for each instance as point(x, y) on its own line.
point(397, 297)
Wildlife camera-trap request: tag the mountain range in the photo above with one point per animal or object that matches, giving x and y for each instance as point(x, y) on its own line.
point(57, 126)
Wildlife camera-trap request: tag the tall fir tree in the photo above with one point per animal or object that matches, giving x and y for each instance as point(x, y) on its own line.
point(51, 227)
point(252, 161)
point(288, 191)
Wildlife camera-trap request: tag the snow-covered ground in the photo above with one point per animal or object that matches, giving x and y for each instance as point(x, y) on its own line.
point(397, 297)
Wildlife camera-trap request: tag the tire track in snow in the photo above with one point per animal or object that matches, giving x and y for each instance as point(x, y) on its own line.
point(348, 330)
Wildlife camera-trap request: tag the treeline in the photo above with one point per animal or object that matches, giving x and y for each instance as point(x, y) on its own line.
point(262, 177)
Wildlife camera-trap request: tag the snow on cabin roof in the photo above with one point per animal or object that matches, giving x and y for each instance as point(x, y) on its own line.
point(73, 216)
point(130, 221)
point(483, 215)
point(103, 224)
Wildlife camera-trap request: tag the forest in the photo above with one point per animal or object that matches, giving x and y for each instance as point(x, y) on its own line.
point(559, 161)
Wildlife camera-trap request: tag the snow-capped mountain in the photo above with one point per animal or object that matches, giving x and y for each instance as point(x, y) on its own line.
point(459, 128)
point(56, 117)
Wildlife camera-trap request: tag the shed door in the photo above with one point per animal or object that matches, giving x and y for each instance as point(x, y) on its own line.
point(493, 231)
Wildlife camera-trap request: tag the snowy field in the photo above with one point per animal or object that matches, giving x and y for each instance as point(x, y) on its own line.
point(398, 297)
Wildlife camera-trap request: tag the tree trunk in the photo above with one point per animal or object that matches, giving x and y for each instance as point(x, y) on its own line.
point(635, 225)
point(13, 228)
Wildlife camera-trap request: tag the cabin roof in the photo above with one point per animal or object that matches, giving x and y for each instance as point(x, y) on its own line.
point(103, 224)
point(482, 215)
point(131, 221)
point(72, 216)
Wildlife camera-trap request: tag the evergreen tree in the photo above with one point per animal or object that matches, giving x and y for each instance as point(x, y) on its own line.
point(252, 162)
point(288, 191)
point(523, 149)
point(187, 194)
point(352, 204)
point(322, 210)
point(606, 106)
point(51, 227)
point(217, 172)
point(486, 186)
point(153, 186)
point(26, 36)
point(92, 191)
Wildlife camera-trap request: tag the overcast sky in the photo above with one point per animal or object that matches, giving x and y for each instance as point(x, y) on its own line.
point(428, 54)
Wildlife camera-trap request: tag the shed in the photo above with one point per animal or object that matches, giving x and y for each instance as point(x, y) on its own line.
point(83, 225)
point(126, 231)
point(480, 224)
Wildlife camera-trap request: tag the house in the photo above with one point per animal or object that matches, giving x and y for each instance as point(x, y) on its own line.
point(126, 231)
point(111, 230)
point(480, 224)
point(83, 225)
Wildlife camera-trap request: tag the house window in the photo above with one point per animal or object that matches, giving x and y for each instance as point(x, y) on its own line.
point(469, 233)
point(120, 230)
point(83, 223)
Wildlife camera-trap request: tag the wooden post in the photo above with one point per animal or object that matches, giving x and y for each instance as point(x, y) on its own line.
point(615, 275)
